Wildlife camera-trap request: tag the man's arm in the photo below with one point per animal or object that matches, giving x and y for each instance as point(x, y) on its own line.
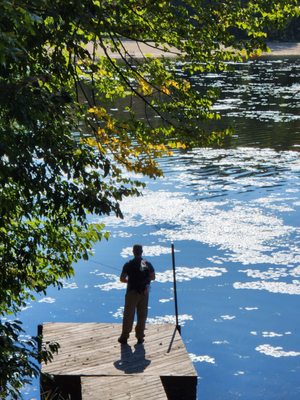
point(152, 273)
point(123, 277)
point(124, 274)
point(152, 276)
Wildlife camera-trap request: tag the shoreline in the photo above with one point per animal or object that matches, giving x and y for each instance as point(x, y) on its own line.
point(140, 50)
point(283, 49)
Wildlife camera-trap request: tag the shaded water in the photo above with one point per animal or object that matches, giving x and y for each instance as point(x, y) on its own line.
point(233, 215)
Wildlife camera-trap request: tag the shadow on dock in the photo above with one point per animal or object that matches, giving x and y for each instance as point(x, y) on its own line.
point(132, 362)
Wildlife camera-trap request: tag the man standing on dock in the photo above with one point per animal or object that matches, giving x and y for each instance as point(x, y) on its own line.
point(137, 273)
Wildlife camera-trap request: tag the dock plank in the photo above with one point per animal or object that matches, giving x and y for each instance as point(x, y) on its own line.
point(122, 388)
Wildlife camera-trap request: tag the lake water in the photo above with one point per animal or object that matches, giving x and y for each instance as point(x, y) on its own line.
point(233, 215)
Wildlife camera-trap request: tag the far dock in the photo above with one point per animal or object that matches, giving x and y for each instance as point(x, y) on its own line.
point(91, 364)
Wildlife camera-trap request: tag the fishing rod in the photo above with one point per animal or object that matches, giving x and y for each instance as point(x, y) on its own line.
point(178, 327)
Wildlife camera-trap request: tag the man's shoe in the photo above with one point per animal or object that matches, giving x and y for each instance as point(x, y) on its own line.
point(122, 340)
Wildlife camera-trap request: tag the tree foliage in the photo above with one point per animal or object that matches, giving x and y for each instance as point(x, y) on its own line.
point(64, 152)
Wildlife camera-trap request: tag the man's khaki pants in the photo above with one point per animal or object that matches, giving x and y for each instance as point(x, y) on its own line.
point(139, 302)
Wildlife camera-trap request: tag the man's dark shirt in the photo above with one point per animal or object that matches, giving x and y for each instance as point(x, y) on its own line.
point(137, 279)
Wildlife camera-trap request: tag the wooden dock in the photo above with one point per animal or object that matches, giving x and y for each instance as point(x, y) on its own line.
point(91, 364)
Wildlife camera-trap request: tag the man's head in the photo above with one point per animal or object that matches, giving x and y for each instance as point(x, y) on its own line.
point(137, 250)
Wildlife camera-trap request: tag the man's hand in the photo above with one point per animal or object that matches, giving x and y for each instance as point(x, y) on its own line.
point(152, 276)
point(123, 278)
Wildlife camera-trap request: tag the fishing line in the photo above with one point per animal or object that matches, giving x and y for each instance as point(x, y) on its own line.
point(105, 265)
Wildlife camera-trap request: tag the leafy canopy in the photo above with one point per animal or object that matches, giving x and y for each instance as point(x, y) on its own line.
point(64, 151)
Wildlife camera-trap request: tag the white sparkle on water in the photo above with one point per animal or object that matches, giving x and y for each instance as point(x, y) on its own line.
point(204, 358)
point(273, 287)
point(48, 300)
point(277, 352)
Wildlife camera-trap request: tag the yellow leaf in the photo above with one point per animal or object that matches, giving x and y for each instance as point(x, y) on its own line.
point(110, 124)
point(98, 111)
point(173, 83)
point(101, 132)
point(180, 145)
point(145, 87)
point(186, 85)
point(165, 90)
point(90, 141)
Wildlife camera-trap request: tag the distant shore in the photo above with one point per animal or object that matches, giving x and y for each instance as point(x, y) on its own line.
point(140, 50)
point(283, 49)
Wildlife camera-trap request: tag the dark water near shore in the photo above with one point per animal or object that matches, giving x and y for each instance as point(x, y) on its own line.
point(234, 217)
